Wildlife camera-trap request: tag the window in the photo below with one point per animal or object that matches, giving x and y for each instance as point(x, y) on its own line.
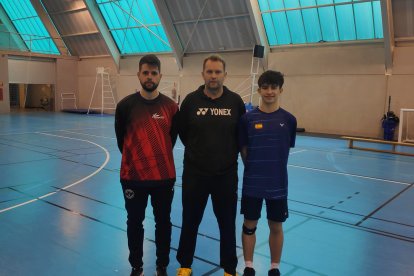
point(135, 26)
point(315, 21)
point(29, 26)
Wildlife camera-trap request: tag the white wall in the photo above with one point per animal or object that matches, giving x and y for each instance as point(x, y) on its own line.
point(335, 90)
point(187, 80)
point(123, 82)
point(4, 78)
point(332, 90)
point(32, 71)
point(66, 82)
point(60, 72)
point(86, 75)
point(344, 90)
point(128, 81)
point(401, 82)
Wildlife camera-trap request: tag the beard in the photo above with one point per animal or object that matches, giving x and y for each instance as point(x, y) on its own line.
point(213, 86)
point(149, 86)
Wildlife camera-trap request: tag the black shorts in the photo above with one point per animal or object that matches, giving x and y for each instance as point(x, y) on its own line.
point(277, 209)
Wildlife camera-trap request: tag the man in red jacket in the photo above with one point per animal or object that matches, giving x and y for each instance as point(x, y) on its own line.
point(146, 132)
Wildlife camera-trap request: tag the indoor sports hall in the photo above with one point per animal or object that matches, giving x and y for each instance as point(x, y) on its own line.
point(349, 77)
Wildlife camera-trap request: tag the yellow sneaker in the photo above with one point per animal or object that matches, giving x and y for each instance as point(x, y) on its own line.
point(228, 274)
point(183, 271)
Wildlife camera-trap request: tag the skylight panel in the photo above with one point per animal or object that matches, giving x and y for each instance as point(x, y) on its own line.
point(135, 26)
point(29, 26)
point(316, 21)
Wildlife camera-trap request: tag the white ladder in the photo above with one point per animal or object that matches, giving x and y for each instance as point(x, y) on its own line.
point(107, 96)
point(249, 84)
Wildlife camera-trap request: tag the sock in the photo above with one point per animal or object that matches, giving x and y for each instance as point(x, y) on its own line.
point(248, 264)
point(274, 265)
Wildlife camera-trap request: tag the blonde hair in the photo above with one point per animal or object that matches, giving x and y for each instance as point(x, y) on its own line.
point(215, 57)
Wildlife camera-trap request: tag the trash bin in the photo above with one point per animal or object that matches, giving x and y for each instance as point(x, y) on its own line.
point(389, 129)
point(249, 107)
point(389, 123)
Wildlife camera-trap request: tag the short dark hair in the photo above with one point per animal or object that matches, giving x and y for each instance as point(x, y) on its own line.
point(151, 60)
point(215, 57)
point(271, 77)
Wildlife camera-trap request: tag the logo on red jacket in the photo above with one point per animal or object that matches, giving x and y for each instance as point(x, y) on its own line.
point(157, 116)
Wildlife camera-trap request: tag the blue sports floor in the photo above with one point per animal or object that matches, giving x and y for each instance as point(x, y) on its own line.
point(61, 206)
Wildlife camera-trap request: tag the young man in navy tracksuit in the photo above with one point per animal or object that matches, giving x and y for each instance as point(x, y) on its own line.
point(266, 135)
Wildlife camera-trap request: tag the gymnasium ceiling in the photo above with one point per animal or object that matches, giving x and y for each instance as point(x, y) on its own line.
point(116, 28)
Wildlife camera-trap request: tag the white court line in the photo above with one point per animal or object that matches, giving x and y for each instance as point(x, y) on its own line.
point(297, 151)
point(180, 148)
point(353, 175)
point(70, 185)
point(87, 134)
point(48, 130)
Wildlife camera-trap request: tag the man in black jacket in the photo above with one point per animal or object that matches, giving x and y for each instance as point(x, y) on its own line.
point(146, 132)
point(208, 121)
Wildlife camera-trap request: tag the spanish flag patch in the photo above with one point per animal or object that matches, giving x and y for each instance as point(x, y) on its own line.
point(258, 126)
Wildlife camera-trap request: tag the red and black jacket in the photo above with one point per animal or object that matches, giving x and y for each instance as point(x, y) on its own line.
point(146, 131)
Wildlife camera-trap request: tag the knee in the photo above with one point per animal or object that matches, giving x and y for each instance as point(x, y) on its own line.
point(135, 224)
point(135, 219)
point(249, 231)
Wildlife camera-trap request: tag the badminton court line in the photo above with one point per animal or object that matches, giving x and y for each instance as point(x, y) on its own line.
point(70, 185)
point(353, 175)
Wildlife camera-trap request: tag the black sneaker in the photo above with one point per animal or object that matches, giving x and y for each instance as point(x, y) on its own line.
point(249, 271)
point(274, 272)
point(137, 271)
point(161, 271)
